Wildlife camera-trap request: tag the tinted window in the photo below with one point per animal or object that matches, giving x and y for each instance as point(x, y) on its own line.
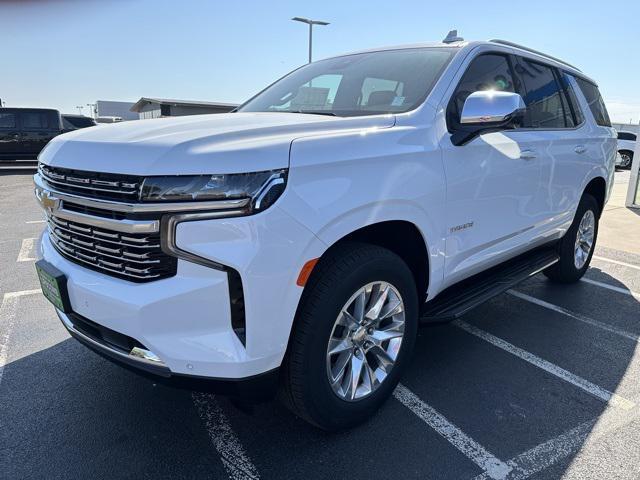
point(7, 120)
point(546, 105)
point(78, 122)
point(574, 105)
point(389, 81)
point(35, 120)
point(486, 72)
point(626, 136)
point(596, 104)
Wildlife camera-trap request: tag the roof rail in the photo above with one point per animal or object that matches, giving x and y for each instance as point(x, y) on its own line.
point(522, 47)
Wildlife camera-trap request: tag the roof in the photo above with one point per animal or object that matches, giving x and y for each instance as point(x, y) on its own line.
point(184, 103)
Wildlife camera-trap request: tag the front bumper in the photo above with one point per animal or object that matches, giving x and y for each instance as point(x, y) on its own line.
point(257, 388)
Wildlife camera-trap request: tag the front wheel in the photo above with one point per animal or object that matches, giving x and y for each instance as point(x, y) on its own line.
point(352, 338)
point(577, 245)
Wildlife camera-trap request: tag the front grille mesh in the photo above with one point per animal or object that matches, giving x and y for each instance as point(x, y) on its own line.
point(108, 186)
point(135, 257)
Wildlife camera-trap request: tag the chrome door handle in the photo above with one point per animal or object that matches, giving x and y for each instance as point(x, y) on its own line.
point(580, 149)
point(527, 154)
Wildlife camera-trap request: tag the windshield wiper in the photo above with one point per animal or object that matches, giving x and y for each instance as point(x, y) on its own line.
point(313, 112)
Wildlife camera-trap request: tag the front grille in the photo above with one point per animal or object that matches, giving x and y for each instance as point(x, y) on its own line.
point(107, 186)
point(133, 256)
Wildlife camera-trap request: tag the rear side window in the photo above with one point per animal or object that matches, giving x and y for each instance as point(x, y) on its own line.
point(35, 120)
point(486, 72)
point(596, 104)
point(7, 120)
point(546, 104)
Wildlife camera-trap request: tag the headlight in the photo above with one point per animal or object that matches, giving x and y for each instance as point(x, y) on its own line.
point(263, 188)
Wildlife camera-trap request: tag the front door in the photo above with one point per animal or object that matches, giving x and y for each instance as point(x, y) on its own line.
point(494, 196)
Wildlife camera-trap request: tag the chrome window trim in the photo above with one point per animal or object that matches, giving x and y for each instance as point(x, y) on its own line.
point(125, 207)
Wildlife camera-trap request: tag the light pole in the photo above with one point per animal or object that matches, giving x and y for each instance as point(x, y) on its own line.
point(92, 109)
point(311, 23)
point(79, 107)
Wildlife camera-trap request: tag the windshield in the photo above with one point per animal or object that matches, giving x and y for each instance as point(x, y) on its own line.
point(392, 81)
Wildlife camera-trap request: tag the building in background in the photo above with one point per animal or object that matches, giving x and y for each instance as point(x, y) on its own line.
point(166, 107)
point(108, 108)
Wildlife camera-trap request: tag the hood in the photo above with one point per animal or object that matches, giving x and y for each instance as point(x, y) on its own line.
point(198, 144)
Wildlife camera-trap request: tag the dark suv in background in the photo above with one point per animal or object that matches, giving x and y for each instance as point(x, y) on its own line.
point(74, 122)
point(25, 131)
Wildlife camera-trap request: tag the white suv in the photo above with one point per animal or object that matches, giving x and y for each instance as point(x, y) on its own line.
point(626, 147)
point(299, 241)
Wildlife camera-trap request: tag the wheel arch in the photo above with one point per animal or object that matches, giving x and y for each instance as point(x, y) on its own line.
point(597, 188)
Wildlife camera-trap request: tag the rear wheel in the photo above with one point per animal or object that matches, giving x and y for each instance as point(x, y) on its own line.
point(353, 335)
point(577, 245)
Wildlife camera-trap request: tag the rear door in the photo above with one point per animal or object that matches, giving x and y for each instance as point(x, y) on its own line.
point(558, 136)
point(10, 137)
point(38, 127)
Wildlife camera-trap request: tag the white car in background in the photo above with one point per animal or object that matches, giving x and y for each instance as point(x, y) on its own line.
point(298, 242)
point(626, 147)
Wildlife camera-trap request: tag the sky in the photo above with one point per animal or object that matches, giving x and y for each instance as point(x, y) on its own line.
point(64, 53)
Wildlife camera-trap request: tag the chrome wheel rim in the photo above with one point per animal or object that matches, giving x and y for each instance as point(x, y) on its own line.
point(584, 239)
point(365, 341)
point(626, 160)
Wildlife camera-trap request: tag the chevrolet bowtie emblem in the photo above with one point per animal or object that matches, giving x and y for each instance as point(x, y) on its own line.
point(48, 201)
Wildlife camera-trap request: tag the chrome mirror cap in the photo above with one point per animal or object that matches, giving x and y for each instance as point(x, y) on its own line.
point(491, 107)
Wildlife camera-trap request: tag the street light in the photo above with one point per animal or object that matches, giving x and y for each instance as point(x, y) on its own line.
point(311, 23)
point(92, 109)
point(79, 107)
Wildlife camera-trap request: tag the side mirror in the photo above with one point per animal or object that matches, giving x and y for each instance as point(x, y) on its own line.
point(488, 110)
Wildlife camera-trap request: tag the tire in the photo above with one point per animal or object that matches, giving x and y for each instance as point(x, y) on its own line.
point(627, 158)
point(572, 266)
point(306, 387)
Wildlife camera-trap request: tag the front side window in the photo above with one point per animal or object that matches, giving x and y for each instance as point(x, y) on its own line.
point(7, 120)
point(595, 101)
point(391, 81)
point(486, 72)
point(546, 105)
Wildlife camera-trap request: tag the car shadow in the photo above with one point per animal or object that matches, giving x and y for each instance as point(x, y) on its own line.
point(68, 413)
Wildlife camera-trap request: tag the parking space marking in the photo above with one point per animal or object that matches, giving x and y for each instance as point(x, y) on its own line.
point(611, 287)
point(489, 463)
point(8, 312)
point(232, 454)
point(591, 388)
point(25, 250)
point(574, 315)
point(617, 262)
point(35, 221)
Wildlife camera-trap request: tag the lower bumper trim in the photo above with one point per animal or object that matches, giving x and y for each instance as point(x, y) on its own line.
point(257, 388)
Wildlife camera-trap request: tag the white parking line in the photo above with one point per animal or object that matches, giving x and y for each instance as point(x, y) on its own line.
point(591, 388)
point(234, 458)
point(617, 262)
point(611, 287)
point(492, 466)
point(8, 311)
point(577, 316)
point(34, 221)
point(25, 250)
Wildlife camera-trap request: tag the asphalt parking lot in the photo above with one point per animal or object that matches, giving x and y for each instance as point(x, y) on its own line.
point(540, 383)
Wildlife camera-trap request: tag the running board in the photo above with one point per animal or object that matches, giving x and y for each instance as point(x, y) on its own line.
point(458, 299)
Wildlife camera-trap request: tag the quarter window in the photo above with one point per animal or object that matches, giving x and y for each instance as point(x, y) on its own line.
point(626, 136)
point(486, 72)
point(546, 105)
point(596, 104)
point(7, 120)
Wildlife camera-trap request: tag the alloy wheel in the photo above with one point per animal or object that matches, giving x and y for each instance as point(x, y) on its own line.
point(584, 239)
point(365, 341)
